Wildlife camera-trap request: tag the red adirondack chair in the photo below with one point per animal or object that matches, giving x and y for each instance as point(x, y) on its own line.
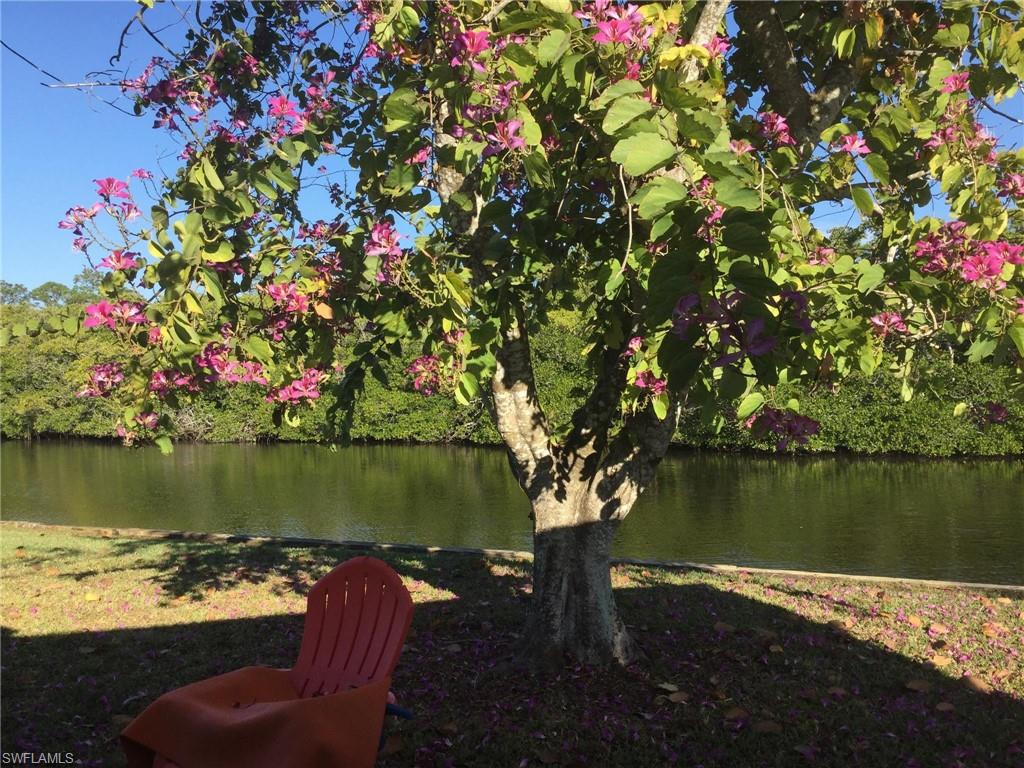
point(357, 617)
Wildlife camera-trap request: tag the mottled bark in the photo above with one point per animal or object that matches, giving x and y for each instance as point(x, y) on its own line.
point(579, 491)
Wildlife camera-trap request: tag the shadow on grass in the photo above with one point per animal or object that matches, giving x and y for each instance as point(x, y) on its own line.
point(758, 685)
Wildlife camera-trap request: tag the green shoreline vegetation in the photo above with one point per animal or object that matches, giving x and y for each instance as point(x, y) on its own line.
point(40, 374)
point(739, 669)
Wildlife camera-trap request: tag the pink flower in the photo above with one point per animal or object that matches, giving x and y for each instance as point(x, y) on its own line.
point(505, 138)
point(383, 240)
point(787, 425)
point(718, 46)
point(1008, 252)
point(1012, 185)
point(613, 31)
point(426, 374)
point(421, 156)
point(118, 260)
point(109, 187)
point(647, 380)
point(103, 378)
point(741, 146)
point(155, 335)
point(141, 173)
point(1020, 305)
point(147, 420)
point(955, 82)
point(775, 128)
point(306, 387)
point(821, 256)
point(633, 346)
point(288, 296)
point(128, 312)
point(99, 314)
point(983, 267)
point(853, 144)
point(885, 323)
point(468, 46)
point(76, 216)
point(282, 107)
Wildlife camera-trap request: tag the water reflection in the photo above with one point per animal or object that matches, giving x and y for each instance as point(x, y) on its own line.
point(956, 520)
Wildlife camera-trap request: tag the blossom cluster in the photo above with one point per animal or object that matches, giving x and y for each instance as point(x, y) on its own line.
point(103, 379)
point(976, 261)
point(721, 316)
point(109, 314)
point(304, 388)
point(788, 426)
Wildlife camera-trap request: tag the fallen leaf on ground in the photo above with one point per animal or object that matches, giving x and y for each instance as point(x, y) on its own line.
point(938, 629)
point(766, 726)
point(1004, 600)
point(449, 728)
point(677, 697)
point(668, 687)
point(914, 620)
point(722, 626)
point(944, 706)
point(941, 661)
point(920, 686)
point(775, 648)
point(977, 684)
point(91, 597)
point(736, 713)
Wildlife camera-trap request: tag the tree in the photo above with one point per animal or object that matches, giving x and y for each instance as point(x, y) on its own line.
point(486, 163)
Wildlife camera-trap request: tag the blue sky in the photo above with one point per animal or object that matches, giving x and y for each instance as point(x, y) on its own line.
point(54, 141)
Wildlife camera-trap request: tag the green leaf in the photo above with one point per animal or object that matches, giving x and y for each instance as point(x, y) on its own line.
point(284, 178)
point(219, 252)
point(538, 172)
point(862, 199)
point(623, 111)
point(211, 174)
point(871, 275)
point(1016, 334)
point(401, 109)
point(558, 6)
point(733, 193)
point(951, 176)
point(750, 278)
point(553, 46)
point(158, 215)
point(259, 348)
point(746, 232)
point(844, 43)
point(659, 403)
point(467, 388)
point(953, 36)
point(749, 404)
point(981, 348)
point(960, 409)
point(164, 444)
point(879, 167)
point(658, 196)
point(643, 153)
point(614, 91)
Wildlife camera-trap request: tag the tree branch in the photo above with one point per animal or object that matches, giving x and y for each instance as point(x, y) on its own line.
point(518, 414)
point(707, 25)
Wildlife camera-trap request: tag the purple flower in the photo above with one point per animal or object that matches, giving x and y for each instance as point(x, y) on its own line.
point(505, 138)
point(885, 323)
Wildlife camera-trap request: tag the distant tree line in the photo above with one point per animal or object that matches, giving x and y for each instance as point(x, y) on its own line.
point(965, 408)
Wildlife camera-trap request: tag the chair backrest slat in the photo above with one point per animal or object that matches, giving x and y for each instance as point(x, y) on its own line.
point(357, 617)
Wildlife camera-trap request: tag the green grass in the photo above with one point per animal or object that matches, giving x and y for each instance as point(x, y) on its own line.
point(744, 670)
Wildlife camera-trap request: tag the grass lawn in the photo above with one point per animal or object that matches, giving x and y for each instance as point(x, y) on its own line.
point(740, 670)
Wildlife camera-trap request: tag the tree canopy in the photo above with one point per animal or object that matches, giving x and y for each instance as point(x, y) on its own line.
point(656, 168)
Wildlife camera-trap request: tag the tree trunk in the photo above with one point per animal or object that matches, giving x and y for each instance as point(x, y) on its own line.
point(574, 608)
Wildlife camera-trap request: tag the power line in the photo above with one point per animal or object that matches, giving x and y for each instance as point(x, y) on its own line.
point(76, 86)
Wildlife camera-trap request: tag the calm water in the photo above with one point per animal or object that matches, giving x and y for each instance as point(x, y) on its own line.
point(954, 520)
